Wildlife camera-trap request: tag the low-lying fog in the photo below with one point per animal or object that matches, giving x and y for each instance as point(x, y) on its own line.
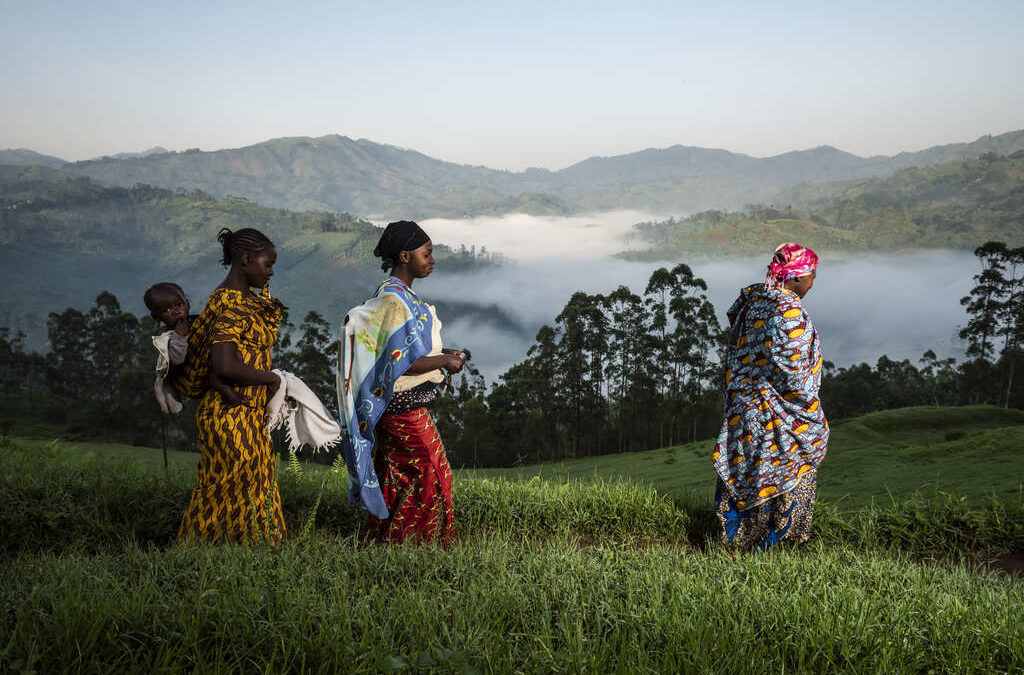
point(864, 306)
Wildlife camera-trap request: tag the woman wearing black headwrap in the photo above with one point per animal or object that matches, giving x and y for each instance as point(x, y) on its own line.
point(391, 362)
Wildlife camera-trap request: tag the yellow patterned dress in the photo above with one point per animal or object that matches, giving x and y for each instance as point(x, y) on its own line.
point(237, 498)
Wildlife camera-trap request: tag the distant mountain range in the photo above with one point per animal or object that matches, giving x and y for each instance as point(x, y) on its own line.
point(384, 182)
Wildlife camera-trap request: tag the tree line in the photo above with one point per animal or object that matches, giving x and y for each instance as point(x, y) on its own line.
point(624, 372)
point(96, 380)
point(615, 372)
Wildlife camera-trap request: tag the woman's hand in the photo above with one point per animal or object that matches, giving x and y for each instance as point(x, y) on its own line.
point(454, 362)
point(272, 387)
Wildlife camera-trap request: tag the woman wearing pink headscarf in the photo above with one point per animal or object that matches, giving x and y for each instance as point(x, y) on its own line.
point(774, 433)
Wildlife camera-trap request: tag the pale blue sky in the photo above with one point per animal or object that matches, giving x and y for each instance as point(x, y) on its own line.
point(509, 85)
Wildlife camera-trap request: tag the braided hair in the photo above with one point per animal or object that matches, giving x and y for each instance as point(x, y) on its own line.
point(246, 240)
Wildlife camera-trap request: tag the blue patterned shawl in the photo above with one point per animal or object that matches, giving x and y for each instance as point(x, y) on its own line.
point(774, 430)
point(380, 339)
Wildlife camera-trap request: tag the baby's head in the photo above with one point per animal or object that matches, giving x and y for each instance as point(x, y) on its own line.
point(166, 302)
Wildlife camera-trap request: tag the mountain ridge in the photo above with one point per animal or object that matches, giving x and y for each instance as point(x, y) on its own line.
point(382, 181)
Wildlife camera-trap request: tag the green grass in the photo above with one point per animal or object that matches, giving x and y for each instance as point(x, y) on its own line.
point(568, 575)
point(490, 605)
point(177, 460)
point(972, 451)
point(895, 452)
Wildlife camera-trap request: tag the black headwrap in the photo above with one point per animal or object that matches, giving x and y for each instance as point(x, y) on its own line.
point(403, 235)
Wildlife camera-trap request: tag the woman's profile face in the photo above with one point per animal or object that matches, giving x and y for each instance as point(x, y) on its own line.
point(259, 267)
point(421, 261)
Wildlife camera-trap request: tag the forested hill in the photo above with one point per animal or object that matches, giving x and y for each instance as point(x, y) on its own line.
point(958, 204)
point(63, 241)
point(336, 173)
point(386, 182)
point(23, 157)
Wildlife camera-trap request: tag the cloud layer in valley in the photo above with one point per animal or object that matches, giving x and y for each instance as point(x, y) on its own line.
point(899, 305)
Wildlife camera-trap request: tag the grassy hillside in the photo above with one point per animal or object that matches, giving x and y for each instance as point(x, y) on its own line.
point(959, 204)
point(24, 157)
point(330, 172)
point(975, 451)
point(545, 577)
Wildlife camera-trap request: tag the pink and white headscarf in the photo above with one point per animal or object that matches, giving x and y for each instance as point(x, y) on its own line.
point(790, 261)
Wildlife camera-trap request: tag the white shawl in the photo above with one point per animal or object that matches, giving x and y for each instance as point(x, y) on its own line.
point(305, 418)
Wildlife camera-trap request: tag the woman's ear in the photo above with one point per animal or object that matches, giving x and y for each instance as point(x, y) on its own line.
point(403, 257)
point(243, 259)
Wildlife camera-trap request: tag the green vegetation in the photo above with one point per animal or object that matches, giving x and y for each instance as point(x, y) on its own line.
point(71, 239)
point(329, 606)
point(625, 372)
point(971, 451)
point(65, 239)
point(334, 173)
point(959, 204)
point(545, 577)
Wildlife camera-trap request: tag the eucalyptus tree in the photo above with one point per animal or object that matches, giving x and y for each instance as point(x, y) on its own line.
point(71, 370)
point(632, 367)
point(985, 303)
point(111, 343)
point(583, 328)
point(687, 333)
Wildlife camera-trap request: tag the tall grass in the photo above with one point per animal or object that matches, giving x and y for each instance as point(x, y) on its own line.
point(498, 606)
point(545, 577)
point(58, 500)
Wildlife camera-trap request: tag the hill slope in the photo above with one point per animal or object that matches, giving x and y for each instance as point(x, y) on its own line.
point(74, 238)
point(974, 451)
point(956, 204)
point(971, 451)
point(375, 180)
point(25, 157)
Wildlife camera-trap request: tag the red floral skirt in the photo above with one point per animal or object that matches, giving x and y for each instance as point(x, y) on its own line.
point(415, 479)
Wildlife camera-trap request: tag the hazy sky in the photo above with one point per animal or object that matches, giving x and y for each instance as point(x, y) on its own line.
point(510, 84)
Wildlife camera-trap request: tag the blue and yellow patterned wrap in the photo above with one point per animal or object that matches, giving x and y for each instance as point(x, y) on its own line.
point(774, 430)
point(380, 339)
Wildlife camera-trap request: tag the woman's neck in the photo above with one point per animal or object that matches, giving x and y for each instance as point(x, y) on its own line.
point(403, 275)
point(236, 281)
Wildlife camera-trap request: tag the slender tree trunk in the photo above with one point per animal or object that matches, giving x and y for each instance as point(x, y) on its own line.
point(163, 438)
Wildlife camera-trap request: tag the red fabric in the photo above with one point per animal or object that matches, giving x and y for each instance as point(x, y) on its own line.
point(415, 479)
point(790, 261)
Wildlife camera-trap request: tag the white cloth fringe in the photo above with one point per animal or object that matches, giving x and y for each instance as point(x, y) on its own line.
point(306, 420)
